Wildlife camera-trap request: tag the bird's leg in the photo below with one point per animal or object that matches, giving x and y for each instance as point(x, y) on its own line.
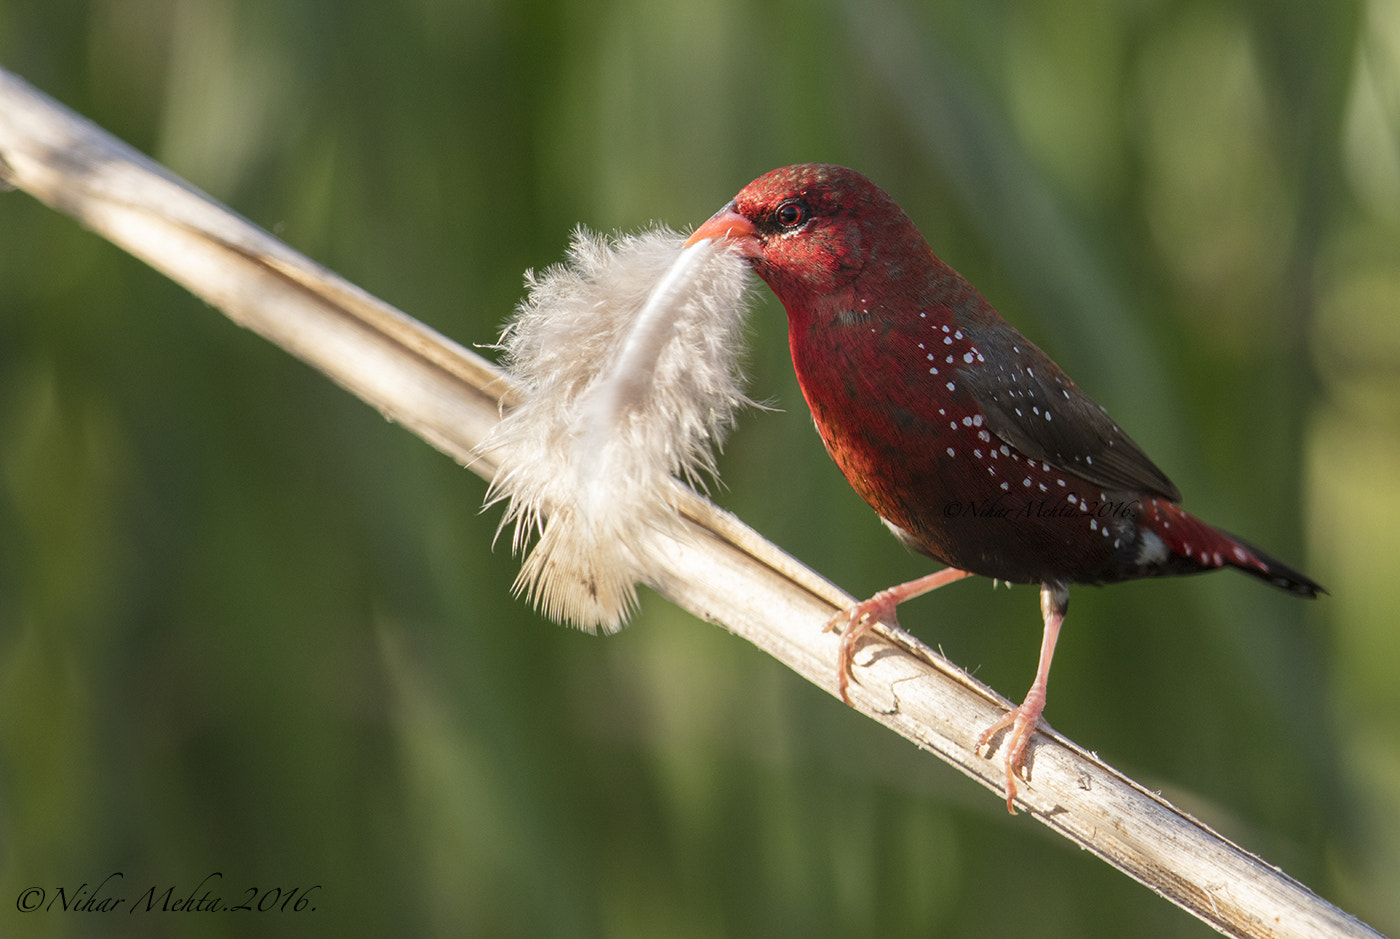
point(859, 619)
point(1054, 601)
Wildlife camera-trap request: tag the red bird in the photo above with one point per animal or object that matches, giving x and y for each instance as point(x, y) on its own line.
point(971, 444)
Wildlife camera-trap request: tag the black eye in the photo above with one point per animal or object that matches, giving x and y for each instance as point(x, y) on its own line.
point(792, 213)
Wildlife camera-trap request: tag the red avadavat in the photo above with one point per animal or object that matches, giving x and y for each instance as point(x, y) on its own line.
point(973, 446)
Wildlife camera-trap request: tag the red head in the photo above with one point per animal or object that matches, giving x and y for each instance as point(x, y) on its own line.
point(812, 229)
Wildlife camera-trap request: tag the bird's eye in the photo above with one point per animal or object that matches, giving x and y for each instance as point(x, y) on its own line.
point(792, 213)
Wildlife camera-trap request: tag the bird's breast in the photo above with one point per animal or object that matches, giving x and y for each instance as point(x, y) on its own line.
point(888, 401)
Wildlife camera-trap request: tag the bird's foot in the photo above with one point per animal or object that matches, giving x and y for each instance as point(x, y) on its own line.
point(1021, 720)
point(861, 618)
point(854, 623)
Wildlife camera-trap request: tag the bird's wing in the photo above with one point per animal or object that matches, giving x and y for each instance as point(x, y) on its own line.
point(1031, 404)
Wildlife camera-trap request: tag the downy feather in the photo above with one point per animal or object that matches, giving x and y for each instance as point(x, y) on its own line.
point(627, 355)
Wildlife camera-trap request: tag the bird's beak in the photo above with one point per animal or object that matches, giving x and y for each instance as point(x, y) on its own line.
point(727, 223)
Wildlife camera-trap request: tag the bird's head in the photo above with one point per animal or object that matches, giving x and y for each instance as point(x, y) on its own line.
point(811, 229)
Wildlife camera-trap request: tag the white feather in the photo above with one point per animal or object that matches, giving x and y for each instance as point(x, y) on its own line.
point(627, 355)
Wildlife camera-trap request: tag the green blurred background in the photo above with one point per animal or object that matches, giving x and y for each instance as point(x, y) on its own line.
point(248, 626)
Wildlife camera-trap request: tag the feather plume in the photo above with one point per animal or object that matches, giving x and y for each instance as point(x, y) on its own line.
point(627, 356)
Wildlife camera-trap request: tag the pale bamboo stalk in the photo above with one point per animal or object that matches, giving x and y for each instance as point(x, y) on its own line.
point(721, 571)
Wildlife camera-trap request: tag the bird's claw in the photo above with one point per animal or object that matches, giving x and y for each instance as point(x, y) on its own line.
point(853, 624)
point(1021, 721)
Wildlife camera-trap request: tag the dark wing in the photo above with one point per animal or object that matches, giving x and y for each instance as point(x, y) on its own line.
point(1031, 404)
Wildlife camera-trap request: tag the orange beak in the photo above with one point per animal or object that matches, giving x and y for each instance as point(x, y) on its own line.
point(727, 223)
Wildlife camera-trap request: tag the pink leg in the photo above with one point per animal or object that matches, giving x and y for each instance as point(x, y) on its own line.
point(1054, 601)
point(859, 619)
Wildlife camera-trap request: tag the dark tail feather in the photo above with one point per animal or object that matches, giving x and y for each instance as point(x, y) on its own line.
point(1274, 571)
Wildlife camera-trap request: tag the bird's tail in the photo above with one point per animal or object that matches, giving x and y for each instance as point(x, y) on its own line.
point(1192, 545)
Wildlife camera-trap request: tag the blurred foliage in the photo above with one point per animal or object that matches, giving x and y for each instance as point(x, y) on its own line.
point(246, 626)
